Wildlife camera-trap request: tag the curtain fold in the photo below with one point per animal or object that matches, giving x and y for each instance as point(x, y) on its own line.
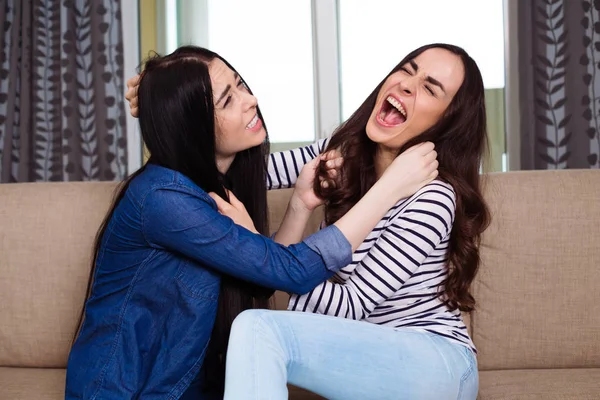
point(559, 57)
point(62, 116)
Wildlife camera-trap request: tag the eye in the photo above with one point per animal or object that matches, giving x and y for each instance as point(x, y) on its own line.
point(242, 84)
point(227, 101)
point(431, 92)
point(404, 69)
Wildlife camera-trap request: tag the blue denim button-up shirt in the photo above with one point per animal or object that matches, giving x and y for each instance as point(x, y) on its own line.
point(154, 297)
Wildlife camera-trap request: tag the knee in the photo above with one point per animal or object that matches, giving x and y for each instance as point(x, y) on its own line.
point(248, 321)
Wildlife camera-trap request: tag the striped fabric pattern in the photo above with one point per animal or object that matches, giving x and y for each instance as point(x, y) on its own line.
point(397, 272)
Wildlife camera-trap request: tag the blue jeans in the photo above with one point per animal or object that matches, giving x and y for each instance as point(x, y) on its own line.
point(343, 359)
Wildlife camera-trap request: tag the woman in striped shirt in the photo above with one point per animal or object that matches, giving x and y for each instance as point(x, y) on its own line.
point(391, 326)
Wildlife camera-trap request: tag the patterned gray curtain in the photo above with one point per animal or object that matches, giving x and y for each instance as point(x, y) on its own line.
point(61, 91)
point(559, 69)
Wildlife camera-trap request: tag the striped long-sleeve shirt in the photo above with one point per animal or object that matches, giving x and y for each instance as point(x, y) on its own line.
point(397, 273)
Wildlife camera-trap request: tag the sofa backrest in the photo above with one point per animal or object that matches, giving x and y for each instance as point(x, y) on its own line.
point(537, 300)
point(46, 236)
point(538, 303)
point(47, 232)
point(537, 291)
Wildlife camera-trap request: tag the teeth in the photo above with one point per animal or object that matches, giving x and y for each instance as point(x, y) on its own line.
point(253, 123)
point(396, 105)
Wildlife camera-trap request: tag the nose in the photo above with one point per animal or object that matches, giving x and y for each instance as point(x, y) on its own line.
point(406, 86)
point(249, 100)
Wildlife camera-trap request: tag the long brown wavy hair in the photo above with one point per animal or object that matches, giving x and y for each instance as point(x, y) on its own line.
point(460, 139)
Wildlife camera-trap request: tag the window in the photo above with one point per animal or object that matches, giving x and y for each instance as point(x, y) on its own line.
point(373, 39)
point(375, 36)
point(270, 43)
point(312, 63)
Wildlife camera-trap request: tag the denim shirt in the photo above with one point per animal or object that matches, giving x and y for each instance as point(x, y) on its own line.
point(154, 297)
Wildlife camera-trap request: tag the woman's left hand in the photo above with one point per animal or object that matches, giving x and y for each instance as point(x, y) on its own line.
point(234, 210)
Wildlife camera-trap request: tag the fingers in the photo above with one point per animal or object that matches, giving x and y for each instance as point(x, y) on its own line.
point(412, 148)
point(132, 94)
point(430, 166)
point(333, 158)
point(234, 200)
point(421, 148)
point(134, 111)
point(332, 154)
point(222, 205)
point(425, 148)
point(133, 81)
point(328, 182)
point(434, 174)
point(335, 163)
point(430, 157)
point(134, 101)
point(132, 89)
point(314, 162)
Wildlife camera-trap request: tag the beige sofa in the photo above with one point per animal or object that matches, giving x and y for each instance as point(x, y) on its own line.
point(537, 326)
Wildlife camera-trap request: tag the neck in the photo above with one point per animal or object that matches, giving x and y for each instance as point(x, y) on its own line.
point(224, 162)
point(383, 159)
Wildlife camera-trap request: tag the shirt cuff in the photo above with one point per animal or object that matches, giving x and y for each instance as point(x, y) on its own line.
point(332, 246)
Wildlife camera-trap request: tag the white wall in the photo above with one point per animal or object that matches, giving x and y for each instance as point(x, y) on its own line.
point(131, 53)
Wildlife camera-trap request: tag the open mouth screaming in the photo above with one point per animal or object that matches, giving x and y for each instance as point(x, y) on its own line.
point(392, 113)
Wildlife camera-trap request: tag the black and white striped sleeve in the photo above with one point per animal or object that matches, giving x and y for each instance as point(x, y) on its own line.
point(414, 233)
point(285, 166)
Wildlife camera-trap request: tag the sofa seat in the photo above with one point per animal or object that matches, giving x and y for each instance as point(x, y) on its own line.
point(32, 383)
point(540, 384)
point(49, 384)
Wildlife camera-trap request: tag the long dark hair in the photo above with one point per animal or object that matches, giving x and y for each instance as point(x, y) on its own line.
point(460, 140)
point(177, 123)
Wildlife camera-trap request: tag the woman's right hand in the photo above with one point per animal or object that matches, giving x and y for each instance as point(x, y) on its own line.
point(303, 189)
point(131, 95)
point(234, 210)
point(411, 170)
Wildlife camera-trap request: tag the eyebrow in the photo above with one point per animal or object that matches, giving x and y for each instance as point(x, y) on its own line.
point(429, 79)
point(227, 88)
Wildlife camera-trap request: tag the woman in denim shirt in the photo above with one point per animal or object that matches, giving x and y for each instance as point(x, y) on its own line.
point(168, 268)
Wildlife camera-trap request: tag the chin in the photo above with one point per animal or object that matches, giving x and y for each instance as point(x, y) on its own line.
point(375, 134)
point(257, 138)
point(371, 130)
point(392, 141)
point(261, 136)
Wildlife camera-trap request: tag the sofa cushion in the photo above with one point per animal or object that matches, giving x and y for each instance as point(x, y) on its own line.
point(537, 290)
point(32, 383)
point(557, 384)
point(576, 384)
point(46, 245)
point(49, 384)
point(278, 202)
